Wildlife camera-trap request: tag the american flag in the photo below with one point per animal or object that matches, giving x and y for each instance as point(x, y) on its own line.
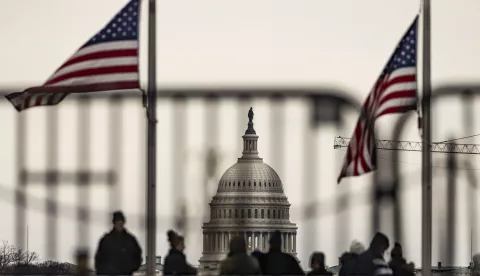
point(108, 61)
point(394, 92)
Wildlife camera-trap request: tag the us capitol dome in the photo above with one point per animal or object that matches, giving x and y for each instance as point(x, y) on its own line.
point(249, 202)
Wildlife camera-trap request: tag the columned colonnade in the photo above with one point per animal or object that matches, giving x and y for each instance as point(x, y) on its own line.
point(218, 242)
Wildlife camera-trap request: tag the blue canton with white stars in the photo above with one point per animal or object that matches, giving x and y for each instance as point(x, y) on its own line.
point(124, 26)
point(406, 53)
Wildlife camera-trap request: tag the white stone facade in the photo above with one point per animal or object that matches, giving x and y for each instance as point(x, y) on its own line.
point(250, 201)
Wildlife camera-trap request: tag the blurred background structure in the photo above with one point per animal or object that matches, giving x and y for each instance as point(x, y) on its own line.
point(75, 163)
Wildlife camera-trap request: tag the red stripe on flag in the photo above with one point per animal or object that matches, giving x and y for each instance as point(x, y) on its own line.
point(102, 54)
point(95, 71)
point(401, 79)
point(405, 94)
point(39, 99)
point(398, 109)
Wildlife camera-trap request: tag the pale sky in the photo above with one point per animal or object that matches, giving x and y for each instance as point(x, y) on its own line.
point(317, 43)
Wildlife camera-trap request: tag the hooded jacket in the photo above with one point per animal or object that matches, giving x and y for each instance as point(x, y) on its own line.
point(238, 261)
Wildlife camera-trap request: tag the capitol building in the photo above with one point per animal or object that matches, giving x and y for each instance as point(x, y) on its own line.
point(249, 202)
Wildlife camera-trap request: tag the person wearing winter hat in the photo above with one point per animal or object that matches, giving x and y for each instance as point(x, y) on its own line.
point(317, 264)
point(118, 251)
point(372, 262)
point(349, 258)
point(357, 247)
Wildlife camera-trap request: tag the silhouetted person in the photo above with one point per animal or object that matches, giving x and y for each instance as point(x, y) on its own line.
point(398, 264)
point(348, 259)
point(275, 262)
point(118, 251)
point(82, 264)
point(175, 261)
point(257, 254)
point(317, 264)
point(475, 269)
point(238, 261)
point(371, 262)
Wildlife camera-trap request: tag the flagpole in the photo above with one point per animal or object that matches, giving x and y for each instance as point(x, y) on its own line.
point(151, 141)
point(427, 142)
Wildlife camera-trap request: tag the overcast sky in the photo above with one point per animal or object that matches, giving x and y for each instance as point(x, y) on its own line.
point(342, 44)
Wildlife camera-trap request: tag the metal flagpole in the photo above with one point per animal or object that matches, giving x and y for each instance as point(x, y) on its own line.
point(427, 142)
point(151, 140)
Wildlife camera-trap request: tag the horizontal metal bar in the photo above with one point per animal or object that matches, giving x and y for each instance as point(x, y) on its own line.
point(219, 92)
point(79, 177)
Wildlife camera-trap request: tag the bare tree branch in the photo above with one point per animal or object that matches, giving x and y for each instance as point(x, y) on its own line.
point(11, 255)
point(16, 261)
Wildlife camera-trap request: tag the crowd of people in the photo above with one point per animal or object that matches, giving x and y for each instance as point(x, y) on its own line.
point(119, 253)
point(371, 261)
point(357, 261)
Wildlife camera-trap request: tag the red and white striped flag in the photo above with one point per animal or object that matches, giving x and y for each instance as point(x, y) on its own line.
point(394, 92)
point(108, 61)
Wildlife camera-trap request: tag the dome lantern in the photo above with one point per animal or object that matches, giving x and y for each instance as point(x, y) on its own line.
point(250, 142)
